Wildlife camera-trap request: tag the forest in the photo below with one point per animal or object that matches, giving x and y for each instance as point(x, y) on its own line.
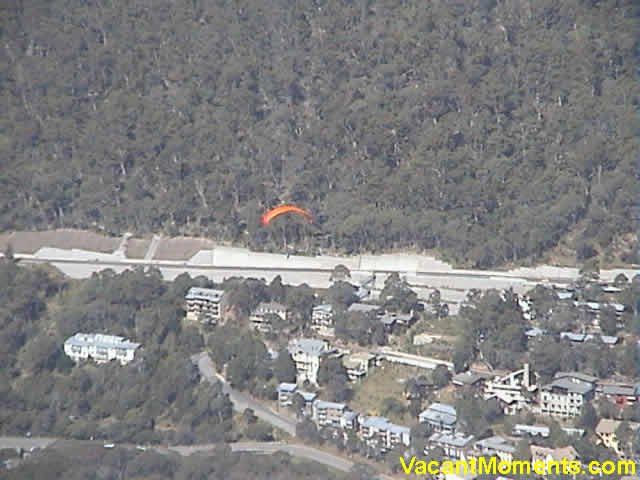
point(489, 131)
point(158, 397)
point(73, 460)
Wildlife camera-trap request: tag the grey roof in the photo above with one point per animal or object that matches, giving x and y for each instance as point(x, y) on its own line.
point(496, 443)
point(570, 385)
point(611, 289)
point(325, 308)
point(197, 293)
point(466, 378)
point(459, 440)
point(541, 430)
point(310, 346)
point(363, 307)
point(580, 376)
point(383, 424)
point(619, 389)
point(308, 396)
point(329, 405)
point(609, 339)
point(575, 337)
point(586, 337)
point(399, 429)
point(101, 341)
point(439, 413)
point(535, 332)
point(349, 416)
point(287, 387)
point(388, 320)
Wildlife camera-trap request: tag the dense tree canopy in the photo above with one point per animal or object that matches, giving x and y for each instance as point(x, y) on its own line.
point(42, 391)
point(75, 461)
point(487, 130)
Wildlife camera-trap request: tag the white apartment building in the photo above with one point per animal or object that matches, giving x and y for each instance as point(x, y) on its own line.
point(380, 432)
point(307, 353)
point(565, 396)
point(328, 414)
point(322, 320)
point(100, 348)
point(204, 304)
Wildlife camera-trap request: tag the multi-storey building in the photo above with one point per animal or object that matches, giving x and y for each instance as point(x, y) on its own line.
point(440, 416)
point(287, 393)
point(381, 433)
point(322, 320)
point(565, 396)
point(454, 445)
point(260, 318)
point(307, 353)
point(328, 414)
point(498, 446)
point(358, 364)
point(204, 304)
point(100, 348)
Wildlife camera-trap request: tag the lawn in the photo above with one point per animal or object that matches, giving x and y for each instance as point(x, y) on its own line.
point(387, 380)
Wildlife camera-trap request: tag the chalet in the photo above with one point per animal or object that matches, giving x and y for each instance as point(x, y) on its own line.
point(619, 394)
point(547, 455)
point(607, 433)
point(468, 379)
point(261, 318)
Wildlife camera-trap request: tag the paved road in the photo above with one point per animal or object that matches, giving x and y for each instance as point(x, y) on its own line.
point(26, 443)
point(241, 401)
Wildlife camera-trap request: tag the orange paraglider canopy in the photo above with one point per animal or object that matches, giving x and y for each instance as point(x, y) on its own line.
point(276, 212)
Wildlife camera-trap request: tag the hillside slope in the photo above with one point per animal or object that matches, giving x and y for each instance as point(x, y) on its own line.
point(485, 129)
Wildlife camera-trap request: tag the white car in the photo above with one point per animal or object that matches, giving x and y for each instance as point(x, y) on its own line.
point(109, 445)
point(141, 448)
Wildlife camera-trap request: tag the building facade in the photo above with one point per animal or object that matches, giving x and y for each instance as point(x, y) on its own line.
point(307, 353)
point(440, 416)
point(260, 318)
point(565, 397)
point(322, 320)
point(204, 304)
point(100, 348)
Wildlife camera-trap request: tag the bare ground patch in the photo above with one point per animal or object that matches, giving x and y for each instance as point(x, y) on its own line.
point(181, 248)
point(30, 242)
point(137, 247)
